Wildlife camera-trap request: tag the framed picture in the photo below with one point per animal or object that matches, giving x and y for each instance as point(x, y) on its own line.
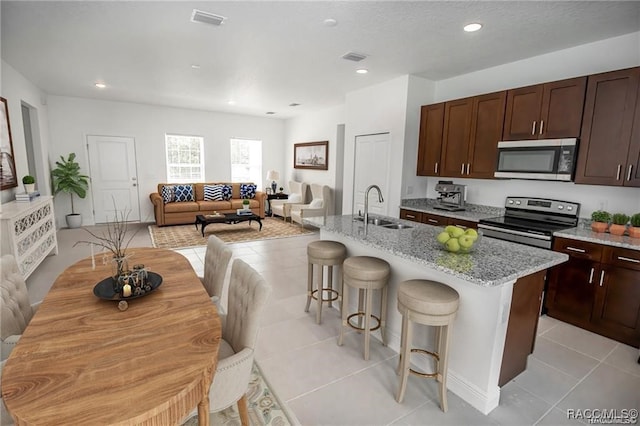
point(311, 155)
point(8, 178)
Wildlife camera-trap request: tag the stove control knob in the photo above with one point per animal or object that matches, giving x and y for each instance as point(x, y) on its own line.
point(510, 201)
point(569, 208)
point(560, 207)
point(518, 203)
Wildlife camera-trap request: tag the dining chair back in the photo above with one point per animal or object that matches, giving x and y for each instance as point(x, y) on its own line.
point(248, 294)
point(216, 261)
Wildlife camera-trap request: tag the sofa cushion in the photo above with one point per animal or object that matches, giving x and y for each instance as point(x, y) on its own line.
point(168, 194)
point(184, 193)
point(248, 190)
point(184, 206)
point(214, 205)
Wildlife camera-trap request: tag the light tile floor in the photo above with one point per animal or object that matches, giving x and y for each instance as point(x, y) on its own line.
point(325, 384)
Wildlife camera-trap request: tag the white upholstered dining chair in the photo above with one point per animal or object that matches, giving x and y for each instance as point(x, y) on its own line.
point(319, 205)
point(15, 306)
point(297, 195)
point(216, 261)
point(248, 293)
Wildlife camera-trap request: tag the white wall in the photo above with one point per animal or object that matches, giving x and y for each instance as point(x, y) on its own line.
point(606, 55)
point(72, 119)
point(17, 90)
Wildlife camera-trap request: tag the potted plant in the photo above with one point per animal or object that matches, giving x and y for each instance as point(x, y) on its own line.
point(634, 229)
point(600, 220)
point(618, 224)
point(29, 183)
point(66, 177)
point(245, 204)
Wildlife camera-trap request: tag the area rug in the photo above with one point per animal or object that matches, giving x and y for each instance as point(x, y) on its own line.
point(181, 236)
point(264, 407)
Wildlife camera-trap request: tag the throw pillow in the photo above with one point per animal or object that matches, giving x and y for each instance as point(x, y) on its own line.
point(294, 198)
point(184, 193)
point(213, 192)
point(247, 190)
point(316, 203)
point(226, 192)
point(168, 194)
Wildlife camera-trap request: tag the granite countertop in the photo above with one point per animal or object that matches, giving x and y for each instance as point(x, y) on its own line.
point(492, 263)
point(584, 233)
point(473, 212)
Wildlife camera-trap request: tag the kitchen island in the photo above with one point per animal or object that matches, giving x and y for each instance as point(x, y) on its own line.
point(500, 286)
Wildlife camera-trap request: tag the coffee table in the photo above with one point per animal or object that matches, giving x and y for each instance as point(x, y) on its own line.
point(229, 218)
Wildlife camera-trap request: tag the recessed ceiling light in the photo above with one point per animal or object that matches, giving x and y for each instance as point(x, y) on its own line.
point(269, 112)
point(362, 71)
point(330, 22)
point(231, 102)
point(195, 66)
point(293, 104)
point(472, 27)
point(100, 85)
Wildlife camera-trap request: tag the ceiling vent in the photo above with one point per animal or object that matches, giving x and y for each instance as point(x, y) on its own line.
point(353, 56)
point(206, 17)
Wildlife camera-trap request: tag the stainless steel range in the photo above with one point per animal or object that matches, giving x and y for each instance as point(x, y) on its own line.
point(531, 221)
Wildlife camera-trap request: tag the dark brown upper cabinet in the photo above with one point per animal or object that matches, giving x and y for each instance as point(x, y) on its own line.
point(609, 151)
point(430, 139)
point(472, 129)
point(545, 111)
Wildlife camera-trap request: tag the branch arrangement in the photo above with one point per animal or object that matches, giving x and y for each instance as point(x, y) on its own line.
point(114, 238)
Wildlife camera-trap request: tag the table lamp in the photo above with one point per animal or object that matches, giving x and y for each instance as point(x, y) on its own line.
point(273, 176)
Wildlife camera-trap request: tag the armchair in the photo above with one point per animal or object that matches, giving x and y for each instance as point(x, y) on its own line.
point(16, 310)
point(319, 205)
point(297, 195)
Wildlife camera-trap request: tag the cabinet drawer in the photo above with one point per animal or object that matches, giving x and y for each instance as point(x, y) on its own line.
point(411, 215)
point(434, 219)
point(579, 249)
point(463, 223)
point(624, 258)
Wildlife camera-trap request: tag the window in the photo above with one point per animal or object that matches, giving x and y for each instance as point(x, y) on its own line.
point(185, 158)
point(246, 161)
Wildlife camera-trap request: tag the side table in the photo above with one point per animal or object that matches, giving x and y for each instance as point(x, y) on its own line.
point(276, 196)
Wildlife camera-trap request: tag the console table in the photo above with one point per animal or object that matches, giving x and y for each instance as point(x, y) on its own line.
point(29, 232)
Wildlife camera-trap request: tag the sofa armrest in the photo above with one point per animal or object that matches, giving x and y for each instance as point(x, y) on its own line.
point(158, 207)
point(261, 197)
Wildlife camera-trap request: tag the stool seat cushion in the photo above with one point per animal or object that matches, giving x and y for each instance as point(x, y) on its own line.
point(325, 249)
point(428, 297)
point(366, 268)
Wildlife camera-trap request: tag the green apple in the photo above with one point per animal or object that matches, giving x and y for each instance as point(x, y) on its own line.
point(453, 245)
point(456, 232)
point(443, 237)
point(451, 229)
point(471, 233)
point(466, 241)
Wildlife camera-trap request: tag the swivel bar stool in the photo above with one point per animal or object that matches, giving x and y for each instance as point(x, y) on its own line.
point(323, 253)
point(429, 303)
point(366, 274)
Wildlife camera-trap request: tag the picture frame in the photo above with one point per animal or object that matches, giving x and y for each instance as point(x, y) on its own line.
point(8, 177)
point(311, 155)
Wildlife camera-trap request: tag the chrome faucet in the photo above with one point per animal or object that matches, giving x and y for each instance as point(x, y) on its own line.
point(366, 204)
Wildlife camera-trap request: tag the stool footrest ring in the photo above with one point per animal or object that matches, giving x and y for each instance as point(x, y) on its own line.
point(335, 295)
point(361, 314)
point(419, 373)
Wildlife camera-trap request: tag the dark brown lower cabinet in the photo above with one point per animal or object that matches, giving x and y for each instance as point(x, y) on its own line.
point(435, 219)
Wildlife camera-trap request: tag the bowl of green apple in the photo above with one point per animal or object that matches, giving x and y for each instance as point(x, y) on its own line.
point(458, 240)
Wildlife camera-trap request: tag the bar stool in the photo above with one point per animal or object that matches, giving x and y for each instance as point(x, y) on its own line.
point(428, 303)
point(324, 253)
point(366, 274)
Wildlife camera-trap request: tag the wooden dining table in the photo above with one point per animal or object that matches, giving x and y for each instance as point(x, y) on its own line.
point(83, 361)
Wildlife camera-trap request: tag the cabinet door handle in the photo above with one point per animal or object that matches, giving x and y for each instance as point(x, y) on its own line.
point(579, 250)
point(462, 169)
point(629, 172)
point(432, 221)
point(628, 259)
point(591, 276)
point(410, 216)
point(468, 167)
point(533, 128)
point(601, 278)
point(618, 172)
point(435, 168)
point(541, 126)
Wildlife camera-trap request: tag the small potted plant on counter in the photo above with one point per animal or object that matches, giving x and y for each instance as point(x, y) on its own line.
point(29, 183)
point(634, 229)
point(600, 220)
point(618, 224)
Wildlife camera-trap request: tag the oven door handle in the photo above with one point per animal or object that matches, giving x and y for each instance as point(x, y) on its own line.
point(514, 232)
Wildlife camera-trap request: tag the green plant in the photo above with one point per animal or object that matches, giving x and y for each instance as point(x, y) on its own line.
point(601, 216)
point(620, 219)
point(66, 177)
point(28, 179)
point(635, 220)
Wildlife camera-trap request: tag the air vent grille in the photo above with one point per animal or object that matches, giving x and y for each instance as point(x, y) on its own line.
point(353, 56)
point(206, 17)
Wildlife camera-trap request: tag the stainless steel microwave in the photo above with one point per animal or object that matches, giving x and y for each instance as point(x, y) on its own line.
point(542, 159)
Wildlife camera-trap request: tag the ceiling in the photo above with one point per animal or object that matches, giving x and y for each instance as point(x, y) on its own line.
point(269, 54)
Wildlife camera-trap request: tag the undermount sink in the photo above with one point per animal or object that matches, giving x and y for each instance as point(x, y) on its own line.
point(375, 221)
point(397, 226)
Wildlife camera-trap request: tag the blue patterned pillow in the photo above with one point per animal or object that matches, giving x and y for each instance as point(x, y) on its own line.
point(247, 190)
point(184, 193)
point(213, 192)
point(168, 194)
point(226, 192)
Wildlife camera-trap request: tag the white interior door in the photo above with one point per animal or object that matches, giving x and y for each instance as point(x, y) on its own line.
point(372, 157)
point(114, 180)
